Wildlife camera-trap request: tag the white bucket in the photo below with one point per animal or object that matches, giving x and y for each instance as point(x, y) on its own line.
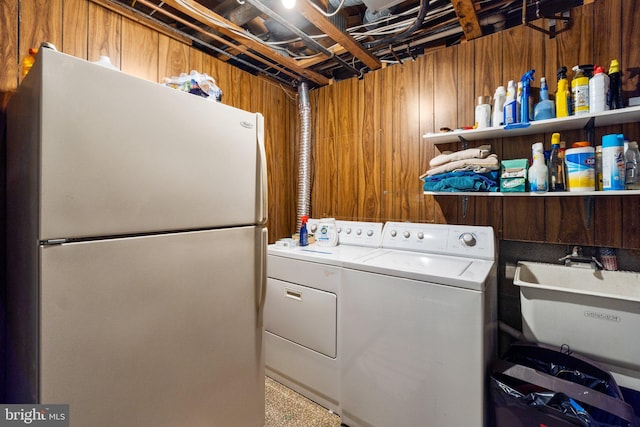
point(327, 233)
point(580, 165)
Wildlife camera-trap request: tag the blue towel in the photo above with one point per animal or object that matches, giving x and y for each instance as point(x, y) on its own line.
point(463, 181)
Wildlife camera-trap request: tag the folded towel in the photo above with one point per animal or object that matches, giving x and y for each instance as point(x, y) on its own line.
point(462, 181)
point(470, 153)
point(478, 165)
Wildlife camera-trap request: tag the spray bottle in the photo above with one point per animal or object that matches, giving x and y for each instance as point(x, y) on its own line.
point(526, 100)
point(304, 234)
point(614, 99)
point(545, 108)
point(563, 94)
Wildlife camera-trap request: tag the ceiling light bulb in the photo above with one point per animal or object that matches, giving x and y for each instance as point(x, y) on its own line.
point(289, 4)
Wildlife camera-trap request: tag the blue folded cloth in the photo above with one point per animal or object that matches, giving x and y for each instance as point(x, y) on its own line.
point(463, 181)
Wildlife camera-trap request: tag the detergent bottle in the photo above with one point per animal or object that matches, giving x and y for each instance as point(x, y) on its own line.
point(510, 105)
point(580, 91)
point(563, 94)
point(598, 90)
point(499, 99)
point(614, 98)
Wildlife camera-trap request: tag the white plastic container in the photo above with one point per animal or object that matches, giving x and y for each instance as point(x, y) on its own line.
point(613, 162)
point(538, 173)
point(327, 232)
point(595, 313)
point(580, 166)
point(598, 89)
point(483, 112)
point(499, 98)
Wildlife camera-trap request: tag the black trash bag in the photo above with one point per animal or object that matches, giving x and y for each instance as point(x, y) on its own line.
point(536, 385)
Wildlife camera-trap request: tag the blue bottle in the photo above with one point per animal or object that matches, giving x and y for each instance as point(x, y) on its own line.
point(304, 234)
point(526, 107)
point(545, 109)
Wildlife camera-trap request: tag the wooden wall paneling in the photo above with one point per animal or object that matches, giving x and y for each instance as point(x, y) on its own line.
point(75, 28)
point(407, 190)
point(427, 148)
point(105, 32)
point(40, 21)
point(139, 50)
point(173, 57)
point(369, 193)
point(445, 102)
point(487, 77)
point(386, 142)
point(237, 91)
point(325, 157)
point(347, 142)
point(9, 51)
point(607, 25)
point(631, 224)
point(630, 56)
point(196, 62)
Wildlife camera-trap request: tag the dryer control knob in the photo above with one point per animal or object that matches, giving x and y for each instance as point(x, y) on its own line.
point(393, 233)
point(348, 231)
point(406, 234)
point(359, 231)
point(420, 235)
point(370, 233)
point(468, 239)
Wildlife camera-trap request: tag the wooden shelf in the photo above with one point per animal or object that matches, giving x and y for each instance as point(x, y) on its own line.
point(529, 194)
point(606, 118)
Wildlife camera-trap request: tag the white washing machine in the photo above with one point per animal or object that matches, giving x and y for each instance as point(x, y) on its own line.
point(302, 310)
point(419, 328)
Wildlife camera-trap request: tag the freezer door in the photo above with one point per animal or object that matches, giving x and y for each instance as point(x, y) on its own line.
point(154, 331)
point(112, 154)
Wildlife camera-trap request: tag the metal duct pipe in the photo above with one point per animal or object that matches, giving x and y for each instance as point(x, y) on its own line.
point(304, 154)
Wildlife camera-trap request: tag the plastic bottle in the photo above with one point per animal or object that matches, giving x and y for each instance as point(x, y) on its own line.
point(28, 61)
point(614, 99)
point(631, 165)
point(526, 100)
point(545, 108)
point(510, 105)
point(304, 234)
point(599, 167)
point(519, 101)
point(499, 98)
point(579, 92)
point(563, 94)
point(613, 162)
point(538, 172)
point(483, 112)
point(598, 90)
point(556, 167)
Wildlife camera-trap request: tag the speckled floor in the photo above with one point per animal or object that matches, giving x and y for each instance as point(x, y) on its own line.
point(286, 408)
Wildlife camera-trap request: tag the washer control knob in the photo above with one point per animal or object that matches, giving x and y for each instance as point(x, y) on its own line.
point(420, 235)
point(348, 231)
point(468, 239)
point(406, 234)
point(369, 233)
point(359, 231)
point(393, 233)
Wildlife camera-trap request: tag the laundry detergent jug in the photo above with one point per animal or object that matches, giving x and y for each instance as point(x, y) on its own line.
point(327, 233)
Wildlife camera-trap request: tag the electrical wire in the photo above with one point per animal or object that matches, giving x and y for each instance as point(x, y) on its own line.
point(328, 15)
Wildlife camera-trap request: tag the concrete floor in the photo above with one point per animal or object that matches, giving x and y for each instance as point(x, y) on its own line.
point(286, 408)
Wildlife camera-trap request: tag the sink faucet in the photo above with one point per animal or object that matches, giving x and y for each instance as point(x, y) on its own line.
point(577, 259)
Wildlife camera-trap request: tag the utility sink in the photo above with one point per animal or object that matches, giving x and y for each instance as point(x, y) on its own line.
point(594, 312)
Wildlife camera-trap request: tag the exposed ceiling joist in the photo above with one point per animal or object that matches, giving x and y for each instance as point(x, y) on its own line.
point(466, 13)
point(231, 30)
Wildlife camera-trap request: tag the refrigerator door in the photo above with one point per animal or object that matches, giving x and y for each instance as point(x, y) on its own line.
point(154, 331)
point(113, 154)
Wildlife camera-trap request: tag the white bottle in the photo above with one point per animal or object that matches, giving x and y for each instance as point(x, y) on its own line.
point(538, 172)
point(598, 90)
point(483, 112)
point(510, 110)
point(499, 99)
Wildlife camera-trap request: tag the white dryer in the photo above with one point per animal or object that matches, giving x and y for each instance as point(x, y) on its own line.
point(419, 326)
point(302, 310)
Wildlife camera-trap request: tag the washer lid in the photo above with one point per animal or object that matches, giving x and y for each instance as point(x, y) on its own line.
point(440, 269)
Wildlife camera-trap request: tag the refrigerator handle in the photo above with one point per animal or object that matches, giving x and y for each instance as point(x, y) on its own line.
point(261, 271)
point(263, 189)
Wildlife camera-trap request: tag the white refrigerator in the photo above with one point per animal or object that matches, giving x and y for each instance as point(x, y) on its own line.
point(136, 250)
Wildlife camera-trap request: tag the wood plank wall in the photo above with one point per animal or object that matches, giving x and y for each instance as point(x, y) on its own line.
point(369, 151)
point(85, 29)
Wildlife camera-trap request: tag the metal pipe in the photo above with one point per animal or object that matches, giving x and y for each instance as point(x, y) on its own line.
point(311, 43)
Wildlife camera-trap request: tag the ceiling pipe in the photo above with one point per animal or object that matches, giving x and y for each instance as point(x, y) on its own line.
point(311, 43)
point(424, 7)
